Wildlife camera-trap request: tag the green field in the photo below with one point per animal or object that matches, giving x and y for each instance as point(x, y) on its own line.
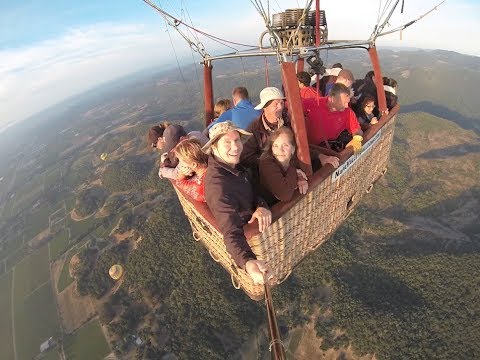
point(57, 206)
point(35, 321)
point(3, 267)
point(59, 244)
point(8, 209)
point(25, 196)
point(70, 202)
point(37, 222)
point(51, 354)
point(6, 340)
point(16, 257)
point(31, 273)
point(79, 229)
point(52, 177)
point(65, 279)
point(88, 342)
point(11, 246)
point(295, 338)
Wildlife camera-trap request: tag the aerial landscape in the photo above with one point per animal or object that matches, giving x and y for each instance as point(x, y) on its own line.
point(80, 192)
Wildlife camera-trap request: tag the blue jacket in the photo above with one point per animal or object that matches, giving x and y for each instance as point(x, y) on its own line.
point(241, 115)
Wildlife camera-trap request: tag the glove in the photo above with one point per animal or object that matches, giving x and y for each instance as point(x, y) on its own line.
point(356, 143)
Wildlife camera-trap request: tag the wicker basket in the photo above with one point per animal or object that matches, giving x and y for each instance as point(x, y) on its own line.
point(303, 224)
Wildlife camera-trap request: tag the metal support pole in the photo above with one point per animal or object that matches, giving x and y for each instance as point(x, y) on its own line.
point(208, 92)
point(382, 102)
point(295, 110)
point(317, 23)
point(300, 64)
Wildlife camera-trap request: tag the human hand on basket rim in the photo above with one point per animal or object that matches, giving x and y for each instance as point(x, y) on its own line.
point(264, 217)
point(326, 159)
point(258, 271)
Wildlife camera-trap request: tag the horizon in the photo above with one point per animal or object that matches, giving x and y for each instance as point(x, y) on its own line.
point(93, 44)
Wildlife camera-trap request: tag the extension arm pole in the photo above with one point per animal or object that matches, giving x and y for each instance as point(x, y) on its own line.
point(382, 102)
point(276, 346)
point(295, 110)
point(208, 92)
point(317, 23)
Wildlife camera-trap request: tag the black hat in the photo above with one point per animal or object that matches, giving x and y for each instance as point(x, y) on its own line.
point(172, 135)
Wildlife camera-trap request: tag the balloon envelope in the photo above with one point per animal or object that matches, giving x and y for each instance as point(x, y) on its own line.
point(103, 156)
point(116, 271)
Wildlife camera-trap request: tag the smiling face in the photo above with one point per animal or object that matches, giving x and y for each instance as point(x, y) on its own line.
point(283, 149)
point(228, 148)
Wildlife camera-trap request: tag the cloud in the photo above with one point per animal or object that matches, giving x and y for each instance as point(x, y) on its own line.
point(35, 77)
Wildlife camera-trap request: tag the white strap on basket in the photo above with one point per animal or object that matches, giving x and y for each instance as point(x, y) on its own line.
point(213, 257)
point(195, 235)
point(233, 282)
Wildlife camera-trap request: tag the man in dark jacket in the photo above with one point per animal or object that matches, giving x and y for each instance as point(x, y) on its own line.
point(231, 197)
point(272, 102)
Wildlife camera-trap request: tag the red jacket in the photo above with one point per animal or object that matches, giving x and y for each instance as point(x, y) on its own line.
point(323, 124)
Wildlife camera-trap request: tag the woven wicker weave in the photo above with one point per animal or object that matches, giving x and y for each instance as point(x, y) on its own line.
point(306, 224)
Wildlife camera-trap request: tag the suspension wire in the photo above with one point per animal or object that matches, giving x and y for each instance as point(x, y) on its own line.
point(274, 39)
point(308, 5)
point(191, 51)
point(196, 73)
point(404, 26)
point(388, 3)
point(260, 9)
point(280, 8)
point(176, 57)
point(191, 22)
point(268, 9)
point(379, 10)
point(381, 13)
point(378, 28)
point(177, 22)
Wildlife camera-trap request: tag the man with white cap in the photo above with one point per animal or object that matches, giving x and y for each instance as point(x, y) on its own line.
point(272, 102)
point(231, 198)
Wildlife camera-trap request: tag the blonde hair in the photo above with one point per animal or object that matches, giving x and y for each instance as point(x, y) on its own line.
point(191, 150)
point(221, 106)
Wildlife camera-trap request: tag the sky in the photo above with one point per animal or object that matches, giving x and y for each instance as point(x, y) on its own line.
point(52, 50)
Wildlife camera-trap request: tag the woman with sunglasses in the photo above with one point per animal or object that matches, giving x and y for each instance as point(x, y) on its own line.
point(365, 114)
